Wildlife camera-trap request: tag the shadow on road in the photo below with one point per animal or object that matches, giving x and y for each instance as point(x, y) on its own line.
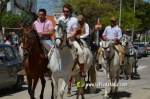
point(87, 91)
point(10, 91)
point(120, 95)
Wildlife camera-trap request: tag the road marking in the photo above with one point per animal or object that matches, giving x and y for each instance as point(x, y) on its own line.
point(141, 67)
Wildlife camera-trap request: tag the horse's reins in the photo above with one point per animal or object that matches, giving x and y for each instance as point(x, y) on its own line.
point(30, 42)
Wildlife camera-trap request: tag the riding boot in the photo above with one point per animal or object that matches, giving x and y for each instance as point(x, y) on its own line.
point(82, 72)
point(22, 72)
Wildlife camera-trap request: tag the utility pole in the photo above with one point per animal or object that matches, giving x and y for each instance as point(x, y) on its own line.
point(120, 13)
point(133, 17)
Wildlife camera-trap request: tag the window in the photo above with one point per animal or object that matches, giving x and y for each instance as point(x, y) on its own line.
point(9, 54)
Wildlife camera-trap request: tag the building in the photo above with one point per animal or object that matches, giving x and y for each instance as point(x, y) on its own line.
point(16, 10)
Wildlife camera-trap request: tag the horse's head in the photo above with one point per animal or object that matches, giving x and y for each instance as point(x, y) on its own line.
point(60, 34)
point(124, 42)
point(108, 49)
point(28, 39)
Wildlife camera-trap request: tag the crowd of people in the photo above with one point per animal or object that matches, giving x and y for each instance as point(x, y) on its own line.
point(12, 39)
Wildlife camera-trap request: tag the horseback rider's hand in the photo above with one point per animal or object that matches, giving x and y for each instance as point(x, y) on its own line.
point(116, 39)
point(104, 37)
point(39, 33)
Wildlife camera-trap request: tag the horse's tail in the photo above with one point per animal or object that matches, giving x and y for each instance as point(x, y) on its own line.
point(92, 73)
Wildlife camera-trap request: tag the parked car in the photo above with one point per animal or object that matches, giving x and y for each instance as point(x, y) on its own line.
point(138, 53)
point(10, 64)
point(143, 48)
point(148, 48)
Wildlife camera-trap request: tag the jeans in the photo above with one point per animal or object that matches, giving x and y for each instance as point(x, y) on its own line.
point(49, 42)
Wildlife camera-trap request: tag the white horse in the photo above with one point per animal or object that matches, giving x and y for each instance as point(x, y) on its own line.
point(110, 59)
point(62, 61)
point(130, 57)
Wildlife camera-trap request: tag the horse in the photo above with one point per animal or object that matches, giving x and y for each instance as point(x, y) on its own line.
point(111, 64)
point(35, 61)
point(63, 63)
point(130, 57)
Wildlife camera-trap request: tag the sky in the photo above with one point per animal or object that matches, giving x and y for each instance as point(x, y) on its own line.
point(49, 5)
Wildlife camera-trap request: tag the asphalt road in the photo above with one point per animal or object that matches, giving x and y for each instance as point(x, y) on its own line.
point(136, 89)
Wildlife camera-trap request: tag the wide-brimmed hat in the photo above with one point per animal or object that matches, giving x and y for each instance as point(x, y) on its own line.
point(113, 19)
point(80, 17)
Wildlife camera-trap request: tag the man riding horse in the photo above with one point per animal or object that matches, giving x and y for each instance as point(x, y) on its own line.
point(71, 29)
point(44, 29)
point(112, 32)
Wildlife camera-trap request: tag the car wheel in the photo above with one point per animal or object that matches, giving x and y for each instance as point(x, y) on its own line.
point(19, 83)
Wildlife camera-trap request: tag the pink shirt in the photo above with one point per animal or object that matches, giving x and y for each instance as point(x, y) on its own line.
point(43, 26)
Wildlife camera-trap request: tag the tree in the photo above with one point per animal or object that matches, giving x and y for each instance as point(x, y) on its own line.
point(27, 10)
point(10, 20)
point(26, 19)
point(3, 4)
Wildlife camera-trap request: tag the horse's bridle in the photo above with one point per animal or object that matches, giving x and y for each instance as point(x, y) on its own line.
point(64, 29)
point(30, 42)
point(109, 58)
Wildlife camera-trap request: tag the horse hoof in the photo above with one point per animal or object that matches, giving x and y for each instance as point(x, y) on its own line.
point(106, 97)
point(69, 94)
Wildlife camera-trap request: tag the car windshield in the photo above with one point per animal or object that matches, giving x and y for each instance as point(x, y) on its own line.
point(148, 45)
point(136, 47)
point(140, 45)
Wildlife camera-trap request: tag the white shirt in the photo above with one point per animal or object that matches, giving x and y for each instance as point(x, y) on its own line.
point(112, 32)
point(86, 31)
point(7, 42)
point(72, 22)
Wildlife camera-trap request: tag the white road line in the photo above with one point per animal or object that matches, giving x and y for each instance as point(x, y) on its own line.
point(141, 67)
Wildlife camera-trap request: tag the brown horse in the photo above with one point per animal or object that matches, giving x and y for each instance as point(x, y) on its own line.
point(35, 61)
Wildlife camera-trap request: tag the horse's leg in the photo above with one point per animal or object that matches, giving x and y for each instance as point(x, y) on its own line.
point(43, 81)
point(52, 85)
point(106, 81)
point(117, 80)
point(62, 89)
point(30, 87)
point(112, 80)
point(35, 81)
point(69, 87)
point(55, 79)
point(88, 80)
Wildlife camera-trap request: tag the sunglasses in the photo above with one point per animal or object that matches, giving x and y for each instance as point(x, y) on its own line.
point(65, 11)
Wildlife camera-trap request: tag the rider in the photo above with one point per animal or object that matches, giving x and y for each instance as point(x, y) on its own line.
point(128, 34)
point(83, 30)
point(44, 29)
point(112, 32)
point(72, 26)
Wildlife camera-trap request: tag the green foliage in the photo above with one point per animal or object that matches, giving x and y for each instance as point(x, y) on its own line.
point(10, 20)
point(92, 10)
point(26, 19)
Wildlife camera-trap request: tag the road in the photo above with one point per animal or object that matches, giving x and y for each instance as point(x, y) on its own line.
point(136, 89)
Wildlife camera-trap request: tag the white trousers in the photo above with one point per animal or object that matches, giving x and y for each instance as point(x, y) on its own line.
point(79, 52)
